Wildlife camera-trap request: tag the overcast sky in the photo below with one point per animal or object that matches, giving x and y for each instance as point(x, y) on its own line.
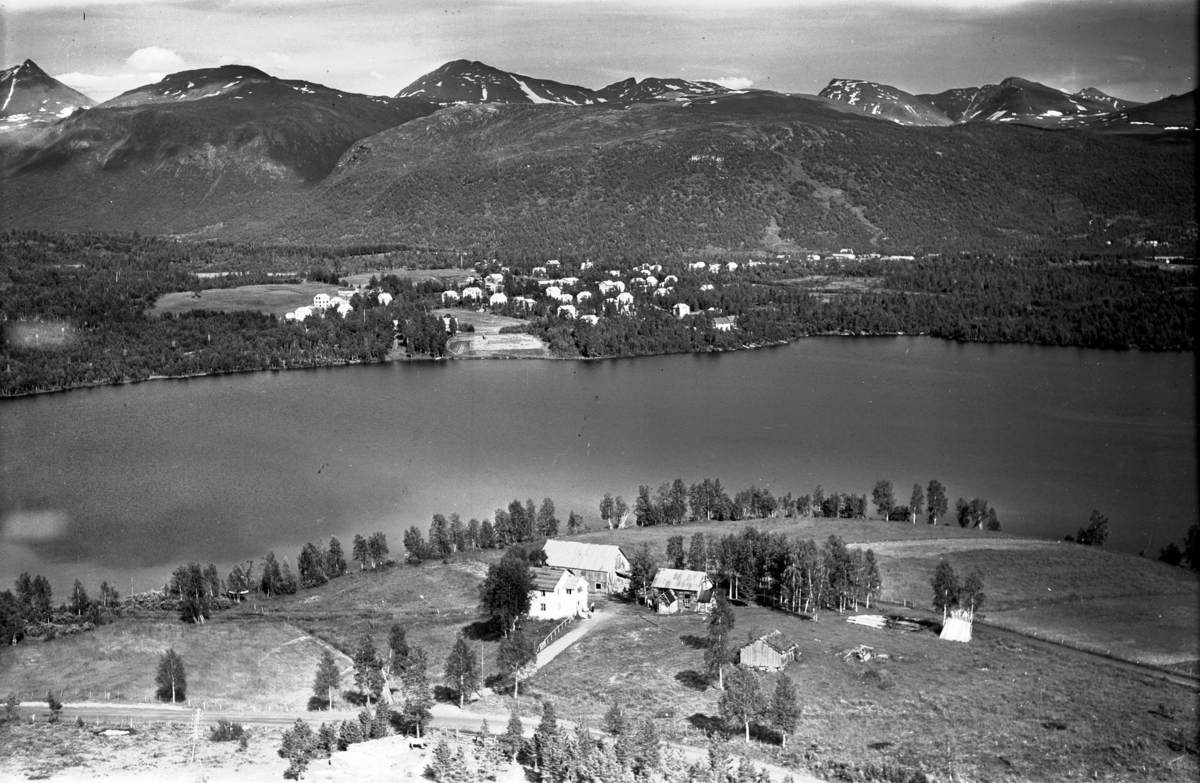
point(1136, 49)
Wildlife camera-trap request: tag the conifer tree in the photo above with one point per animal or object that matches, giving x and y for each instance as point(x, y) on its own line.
point(367, 675)
point(513, 737)
point(462, 669)
point(785, 709)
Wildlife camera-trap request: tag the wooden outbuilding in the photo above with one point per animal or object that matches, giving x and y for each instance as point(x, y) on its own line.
point(772, 652)
point(604, 566)
point(679, 590)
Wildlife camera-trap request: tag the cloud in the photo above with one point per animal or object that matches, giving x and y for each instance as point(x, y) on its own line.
point(732, 82)
point(155, 59)
point(101, 88)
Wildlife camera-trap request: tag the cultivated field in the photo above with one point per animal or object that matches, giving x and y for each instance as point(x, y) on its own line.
point(228, 665)
point(267, 298)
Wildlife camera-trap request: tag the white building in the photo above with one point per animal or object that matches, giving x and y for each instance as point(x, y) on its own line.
point(591, 319)
point(472, 293)
point(498, 300)
point(321, 301)
point(553, 292)
point(567, 310)
point(625, 300)
point(448, 297)
point(680, 309)
point(385, 299)
point(583, 296)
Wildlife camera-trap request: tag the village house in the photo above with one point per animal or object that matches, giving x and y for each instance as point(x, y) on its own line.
point(385, 299)
point(583, 296)
point(625, 300)
point(771, 652)
point(497, 300)
point(321, 301)
point(449, 297)
point(604, 566)
point(567, 310)
point(553, 292)
point(723, 323)
point(557, 593)
point(677, 590)
point(680, 309)
point(591, 319)
point(472, 293)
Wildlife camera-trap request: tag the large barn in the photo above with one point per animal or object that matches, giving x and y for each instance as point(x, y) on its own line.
point(772, 651)
point(678, 590)
point(604, 566)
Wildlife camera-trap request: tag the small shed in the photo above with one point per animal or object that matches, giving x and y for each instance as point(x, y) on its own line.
point(772, 652)
point(679, 590)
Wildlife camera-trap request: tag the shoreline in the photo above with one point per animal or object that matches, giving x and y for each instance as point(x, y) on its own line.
point(451, 357)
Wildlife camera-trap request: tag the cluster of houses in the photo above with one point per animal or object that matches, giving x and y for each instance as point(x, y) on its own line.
point(339, 303)
point(560, 291)
point(574, 570)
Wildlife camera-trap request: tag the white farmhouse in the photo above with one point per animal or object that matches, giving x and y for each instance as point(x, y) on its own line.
point(625, 300)
point(385, 299)
point(553, 292)
point(448, 297)
point(557, 593)
point(680, 309)
point(567, 310)
point(498, 299)
point(473, 292)
point(583, 296)
point(321, 301)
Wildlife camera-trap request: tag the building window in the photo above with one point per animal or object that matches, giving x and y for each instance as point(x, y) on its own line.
point(543, 607)
point(569, 591)
point(599, 586)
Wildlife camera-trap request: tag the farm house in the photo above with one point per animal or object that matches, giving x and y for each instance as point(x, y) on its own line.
point(557, 593)
point(771, 651)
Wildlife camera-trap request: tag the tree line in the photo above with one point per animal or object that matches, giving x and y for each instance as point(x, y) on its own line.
point(28, 609)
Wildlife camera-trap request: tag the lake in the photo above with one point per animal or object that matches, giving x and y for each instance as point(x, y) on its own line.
point(122, 483)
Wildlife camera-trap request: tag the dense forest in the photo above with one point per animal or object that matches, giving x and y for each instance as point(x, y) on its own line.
point(78, 310)
point(1111, 303)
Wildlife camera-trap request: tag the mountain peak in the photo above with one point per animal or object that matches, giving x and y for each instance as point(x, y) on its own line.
point(30, 96)
point(884, 102)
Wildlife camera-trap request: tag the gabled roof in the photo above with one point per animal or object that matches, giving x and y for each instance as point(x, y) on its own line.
point(548, 579)
point(582, 557)
point(776, 641)
point(679, 579)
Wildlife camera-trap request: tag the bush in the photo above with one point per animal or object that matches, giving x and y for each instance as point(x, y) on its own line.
point(227, 731)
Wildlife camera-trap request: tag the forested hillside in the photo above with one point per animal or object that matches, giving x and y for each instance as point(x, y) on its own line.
point(660, 178)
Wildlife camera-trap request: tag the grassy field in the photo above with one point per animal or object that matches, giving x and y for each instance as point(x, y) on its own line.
point(434, 603)
point(416, 275)
point(990, 710)
point(228, 665)
point(1131, 607)
point(484, 323)
point(268, 298)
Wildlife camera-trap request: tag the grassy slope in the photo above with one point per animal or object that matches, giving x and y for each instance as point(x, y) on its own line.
point(990, 710)
point(1135, 608)
point(228, 665)
point(270, 298)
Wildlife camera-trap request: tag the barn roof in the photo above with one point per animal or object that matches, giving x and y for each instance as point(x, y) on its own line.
point(581, 556)
point(680, 579)
point(775, 640)
point(548, 578)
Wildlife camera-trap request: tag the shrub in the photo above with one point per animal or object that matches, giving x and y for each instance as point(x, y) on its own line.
point(227, 731)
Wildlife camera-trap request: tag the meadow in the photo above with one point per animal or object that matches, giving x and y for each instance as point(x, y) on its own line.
point(274, 298)
point(992, 710)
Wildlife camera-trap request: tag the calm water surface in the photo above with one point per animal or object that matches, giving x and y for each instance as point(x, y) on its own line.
point(124, 482)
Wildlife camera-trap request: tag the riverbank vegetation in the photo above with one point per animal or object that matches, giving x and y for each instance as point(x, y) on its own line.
point(79, 310)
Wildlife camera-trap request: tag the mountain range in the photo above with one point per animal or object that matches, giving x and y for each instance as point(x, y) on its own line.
point(473, 156)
